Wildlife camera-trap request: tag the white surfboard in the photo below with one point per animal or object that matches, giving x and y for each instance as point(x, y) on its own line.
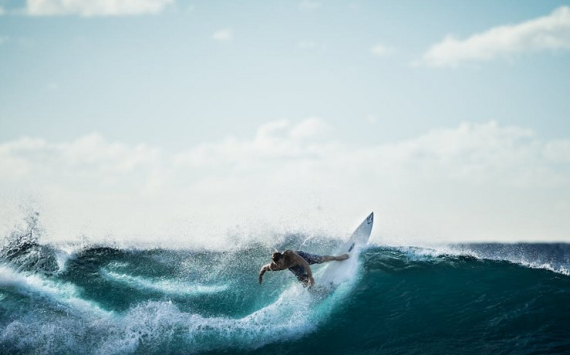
point(337, 272)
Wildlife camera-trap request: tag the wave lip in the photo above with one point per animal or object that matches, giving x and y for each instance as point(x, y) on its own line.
point(554, 257)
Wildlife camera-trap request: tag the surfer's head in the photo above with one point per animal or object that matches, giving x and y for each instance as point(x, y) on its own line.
point(281, 260)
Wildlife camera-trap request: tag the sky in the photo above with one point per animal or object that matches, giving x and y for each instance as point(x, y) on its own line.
point(209, 121)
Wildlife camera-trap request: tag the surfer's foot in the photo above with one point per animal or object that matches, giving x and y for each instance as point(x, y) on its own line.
point(342, 257)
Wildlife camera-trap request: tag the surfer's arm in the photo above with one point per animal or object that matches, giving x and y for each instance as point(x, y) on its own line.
point(265, 268)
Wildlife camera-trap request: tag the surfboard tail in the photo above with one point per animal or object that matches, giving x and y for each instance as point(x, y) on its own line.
point(338, 272)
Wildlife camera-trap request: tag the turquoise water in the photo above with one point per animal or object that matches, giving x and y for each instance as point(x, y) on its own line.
point(467, 299)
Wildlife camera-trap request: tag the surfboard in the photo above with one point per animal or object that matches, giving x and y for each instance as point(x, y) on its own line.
point(337, 272)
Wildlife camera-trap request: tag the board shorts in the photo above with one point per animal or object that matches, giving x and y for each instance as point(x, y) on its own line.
point(299, 271)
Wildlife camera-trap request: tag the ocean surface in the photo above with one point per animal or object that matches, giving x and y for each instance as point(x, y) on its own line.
point(452, 299)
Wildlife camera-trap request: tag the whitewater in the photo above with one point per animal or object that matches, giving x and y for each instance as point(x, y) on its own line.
point(108, 299)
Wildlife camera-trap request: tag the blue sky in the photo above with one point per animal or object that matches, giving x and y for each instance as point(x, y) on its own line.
point(450, 118)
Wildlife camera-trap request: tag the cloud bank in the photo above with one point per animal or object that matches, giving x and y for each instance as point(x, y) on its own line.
point(472, 182)
point(550, 32)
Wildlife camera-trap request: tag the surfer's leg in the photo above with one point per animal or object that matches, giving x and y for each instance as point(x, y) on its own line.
point(311, 258)
point(318, 259)
point(334, 258)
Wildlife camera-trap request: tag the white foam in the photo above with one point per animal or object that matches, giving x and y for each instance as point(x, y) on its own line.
point(59, 292)
point(63, 254)
point(164, 286)
point(291, 316)
point(545, 266)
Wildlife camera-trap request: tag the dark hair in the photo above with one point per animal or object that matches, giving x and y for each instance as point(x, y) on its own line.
point(276, 256)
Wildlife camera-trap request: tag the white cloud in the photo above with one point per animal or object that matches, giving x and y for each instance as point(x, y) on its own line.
point(310, 128)
point(381, 50)
point(471, 182)
point(308, 5)
point(90, 156)
point(272, 142)
point(558, 151)
point(88, 8)
point(224, 35)
point(550, 32)
point(2, 11)
point(475, 153)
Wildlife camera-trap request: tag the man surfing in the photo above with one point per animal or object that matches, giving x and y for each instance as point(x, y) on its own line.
point(298, 263)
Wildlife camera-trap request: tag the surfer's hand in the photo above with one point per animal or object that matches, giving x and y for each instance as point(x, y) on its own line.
point(260, 279)
point(311, 281)
point(342, 257)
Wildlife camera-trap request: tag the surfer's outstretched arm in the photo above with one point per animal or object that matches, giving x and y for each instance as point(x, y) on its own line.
point(263, 270)
point(268, 267)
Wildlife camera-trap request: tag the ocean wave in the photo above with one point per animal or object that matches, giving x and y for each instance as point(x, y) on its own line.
point(469, 299)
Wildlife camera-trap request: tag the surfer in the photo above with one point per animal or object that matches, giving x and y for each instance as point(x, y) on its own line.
point(298, 263)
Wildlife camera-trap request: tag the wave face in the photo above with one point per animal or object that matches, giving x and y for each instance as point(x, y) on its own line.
point(468, 299)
